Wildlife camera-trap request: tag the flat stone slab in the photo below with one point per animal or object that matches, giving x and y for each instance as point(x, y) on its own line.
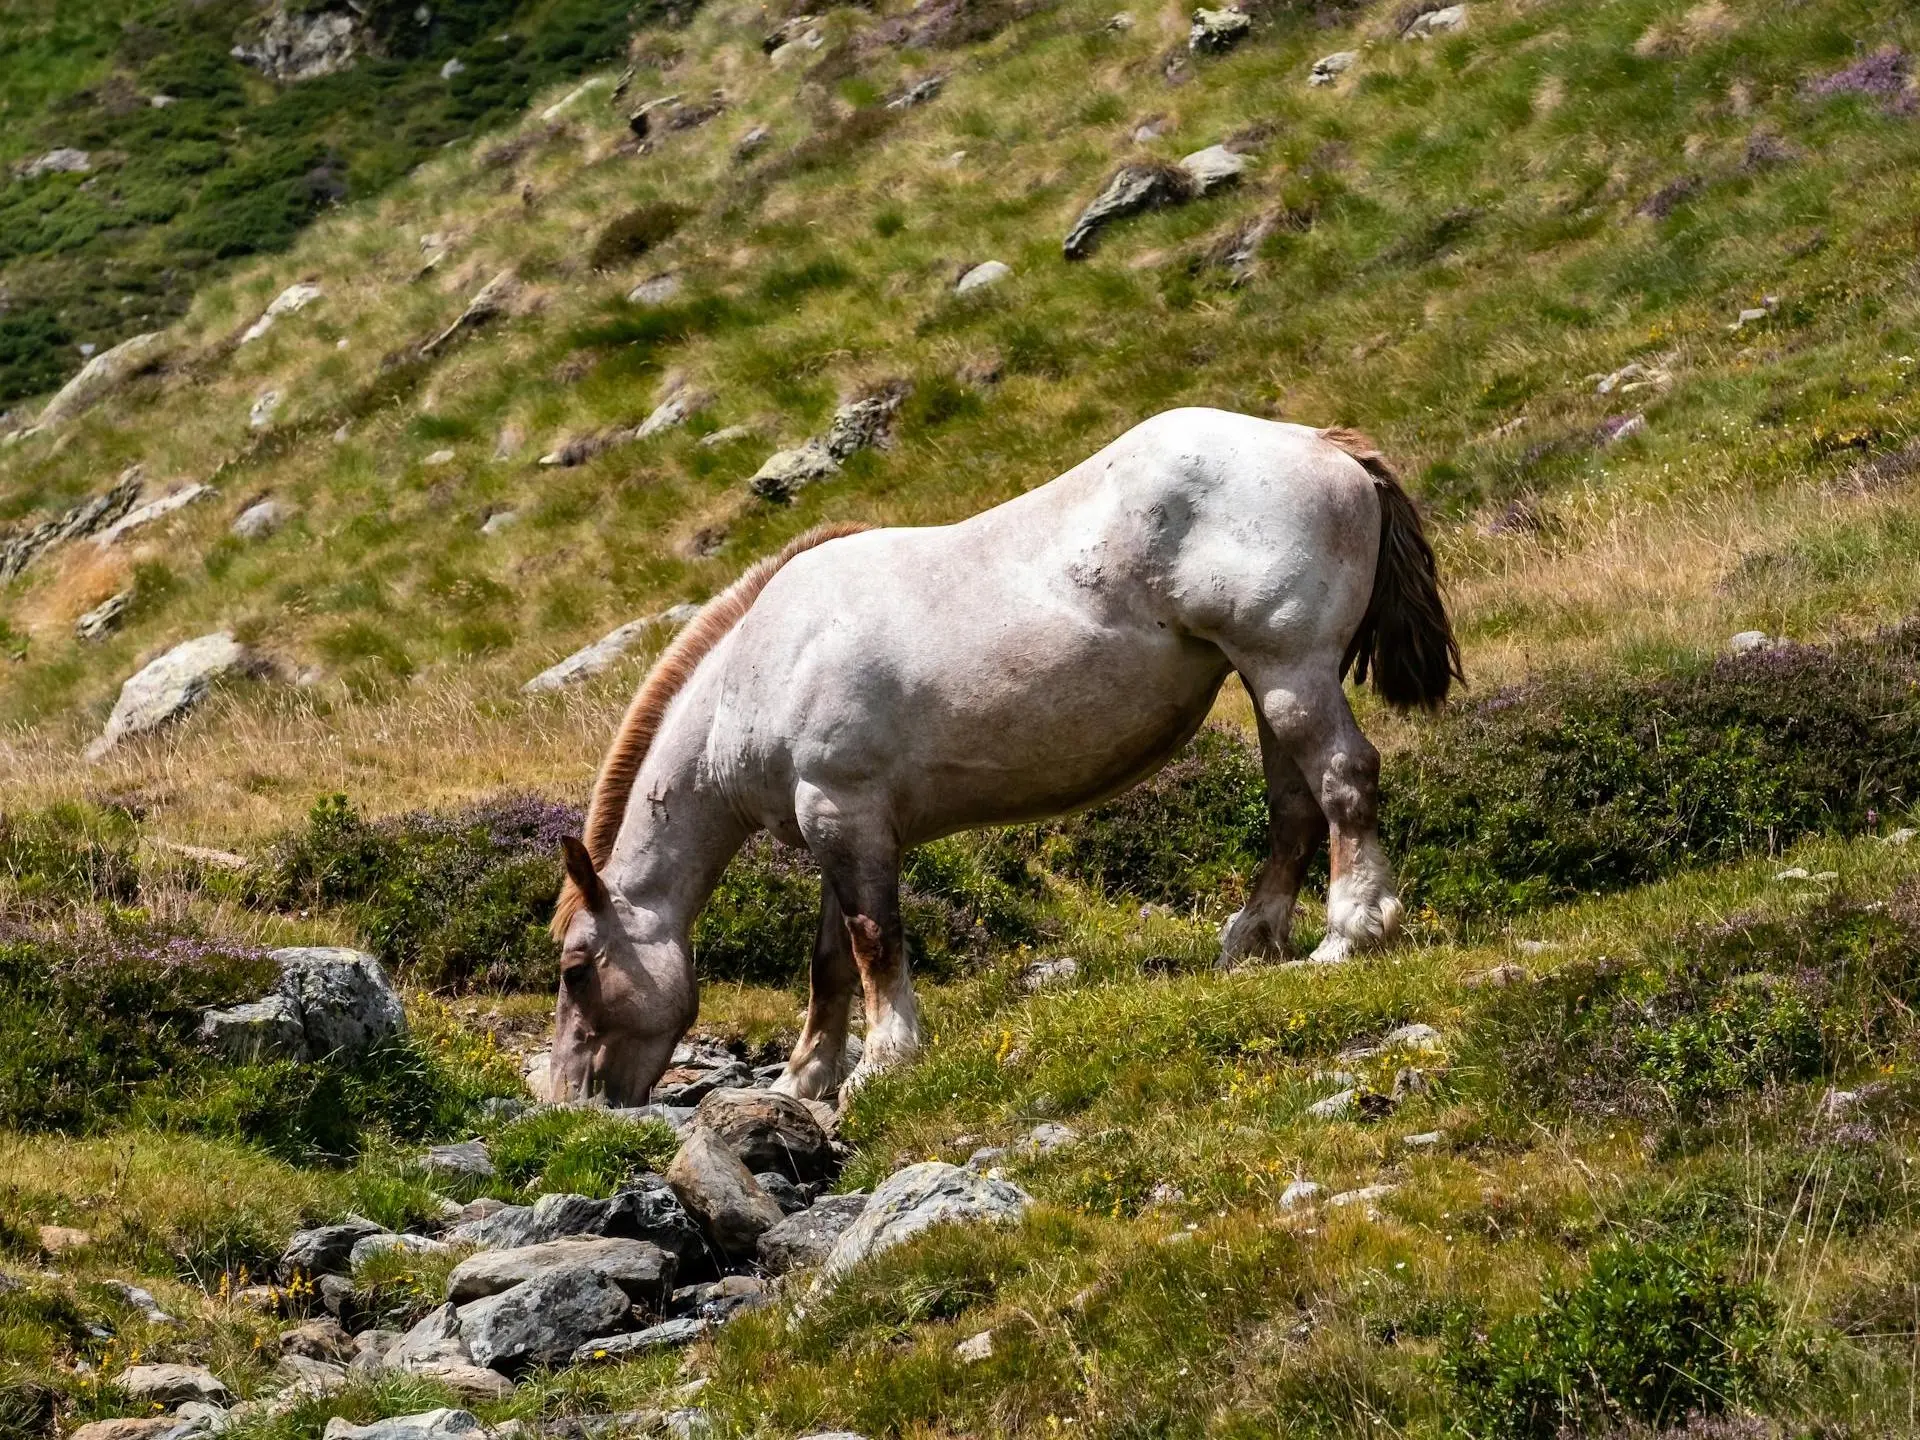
point(643, 1270)
point(667, 1335)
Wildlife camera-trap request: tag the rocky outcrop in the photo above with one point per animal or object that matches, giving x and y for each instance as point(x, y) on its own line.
point(786, 471)
point(720, 1193)
point(914, 1200)
point(268, 1029)
point(1131, 190)
point(643, 1270)
point(1215, 31)
point(304, 46)
point(168, 687)
point(87, 518)
point(102, 375)
point(864, 421)
point(153, 510)
point(324, 1249)
point(605, 652)
point(805, 1238)
point(543, 1321)
point(290, 301)
point(768, 1132)
point(104, 618)
point(61, 160)
point(347, 1004)
point(489, 303)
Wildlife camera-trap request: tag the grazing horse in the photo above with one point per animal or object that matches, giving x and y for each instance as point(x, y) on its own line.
point(865, 691)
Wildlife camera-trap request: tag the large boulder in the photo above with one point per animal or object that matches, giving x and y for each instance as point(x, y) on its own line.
point(169, 687)
point(805, 1238)
point(768, 1132)
point(720, 1193)
point(268, 1029)
point(325, 1249)
point(1131, 189)
point(914, 1200)
point(102, 375)
point(644, 1271)
point(347, 1003)
point(465, 1161)
point(434, 1340)
point(545, 1320)
point(170, 1385)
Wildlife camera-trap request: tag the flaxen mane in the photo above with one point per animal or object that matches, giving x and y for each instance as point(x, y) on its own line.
point(1405, 638)
point(649, 706)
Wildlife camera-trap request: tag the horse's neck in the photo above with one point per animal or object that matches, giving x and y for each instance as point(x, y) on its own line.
point(680, 829)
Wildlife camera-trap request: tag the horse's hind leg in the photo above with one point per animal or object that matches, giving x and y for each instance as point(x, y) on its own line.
point(1308, 713)
point(1295, 830)
point(819, 1060)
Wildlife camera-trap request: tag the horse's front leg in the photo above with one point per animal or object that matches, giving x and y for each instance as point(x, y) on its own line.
point(819, 1060)
point(893, 1016)
point(1295, 831)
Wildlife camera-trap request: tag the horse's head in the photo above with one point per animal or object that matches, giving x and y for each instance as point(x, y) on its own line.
point(627, 994)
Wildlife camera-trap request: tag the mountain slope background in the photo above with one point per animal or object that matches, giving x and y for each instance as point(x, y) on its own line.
point(1627, 287)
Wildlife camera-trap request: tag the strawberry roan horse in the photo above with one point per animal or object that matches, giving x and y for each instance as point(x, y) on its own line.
point(865, 691)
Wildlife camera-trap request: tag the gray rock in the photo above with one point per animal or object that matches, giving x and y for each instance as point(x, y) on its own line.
point(429, 1425)
point(346, 1001)
point(153, 510)
point(22, 547)
point(321, 1339)
point(719, 1192)
point(325, 1249)
point(102, 375)
point(866, 420)
point(259, 520)
point(911, 1201)
point(1329, 68)
point(657, 290)
point(672, 412)
point(603, 654)
point(1436, 22)
point(987, 272)
point(436, 1339)
point(729, 1076)
point(543, 1321)
point(986, 1158)
point(268, 1029)
point(751, 144)
point(468, 1160)
point(265, 406)
point(499, 521)
point(306, 1376)
point(640, 1268)
point(1299, 1193)
point(1426, 1140)
point(1132, 189)
point(168, 687)
point(469, 1382)
point(1748, 641)
point(787, 1195)
point(139, 1299)
point(1213, 168)
point(805, 1238)
point(1047, 1137)
point(725, 436)
point(647, 1210)
point(62, 160)
point(289, 301)
point(667, 1335)
point(1417, 1036)
point(1334, 1107)
point(1217, 30)
point(1365, 1195)
point(768, 1132)
point(919, 93)
point(691, 1423)
point(386, 1243)
point(490, 302)
point(169, 1385)
point(786, 471)
point(303, 46)
point(452, 68)
point(1045, 974)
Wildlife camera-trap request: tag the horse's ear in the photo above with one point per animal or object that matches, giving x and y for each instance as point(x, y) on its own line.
point(580, 870)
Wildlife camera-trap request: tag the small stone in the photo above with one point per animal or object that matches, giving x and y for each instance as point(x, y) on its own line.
point(1903, 836)
point(265, 406)
point(499, 520)
point(168, 1385)
point(1334, 1107)
point(259, 520)
point(725, 436)
point(987, 272)
point(918, 93)
point(452, 68)
point(1748, 641)
point(142, 1427)
point(439, 457)
point(667, 1335)
point(489, 303)
point(788, 1196)
point(1213, 168)
point(657, 290)
point(319, 1340)
point(1436, 22)
point(1047, 1137)
point(289, 301)
point(976, 1348)
point(141, 1300)
point(1045, 974)
point(1797, 872)
point(1365, 1195)
point(325, 1249)
point(751, 143)
point(786, 471)
point(1215, 31)
point(1619, 428)
point(63, 160)
point(1329, 68)
point(1299, 1193)
point(373, 1246)
point(1751, 316)
point(105, 617)
point(805, 1238)
point(1499, 977)
point(308, 1376)
point(1426, 1140)
point(1408, 1082)
point(1130, 190)
point(1416, 1036)
point(1121, 23)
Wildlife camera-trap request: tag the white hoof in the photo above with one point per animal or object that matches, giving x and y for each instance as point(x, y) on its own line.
point(1336, 949)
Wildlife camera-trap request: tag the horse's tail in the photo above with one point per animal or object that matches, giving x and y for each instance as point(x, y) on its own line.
point(1405, 638)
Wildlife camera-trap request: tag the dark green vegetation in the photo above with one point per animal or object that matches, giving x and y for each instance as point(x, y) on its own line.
point(235, 164)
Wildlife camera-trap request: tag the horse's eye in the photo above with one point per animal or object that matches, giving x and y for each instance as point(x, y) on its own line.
point(575, 973)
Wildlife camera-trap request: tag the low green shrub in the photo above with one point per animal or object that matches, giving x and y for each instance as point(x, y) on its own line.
point(67, 854)
point(1587, 783)
point(630, 235)
point(1649, 1333)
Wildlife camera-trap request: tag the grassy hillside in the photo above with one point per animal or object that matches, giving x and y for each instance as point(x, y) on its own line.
point(1518, 253)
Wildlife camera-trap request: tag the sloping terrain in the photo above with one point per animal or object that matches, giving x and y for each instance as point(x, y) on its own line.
point(1625, 286)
